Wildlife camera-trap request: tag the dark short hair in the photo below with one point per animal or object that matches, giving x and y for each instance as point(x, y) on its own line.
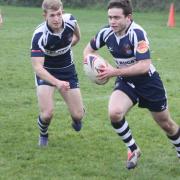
point(126, 5)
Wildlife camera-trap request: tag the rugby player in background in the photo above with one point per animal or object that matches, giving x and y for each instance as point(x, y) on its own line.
point(52, 61)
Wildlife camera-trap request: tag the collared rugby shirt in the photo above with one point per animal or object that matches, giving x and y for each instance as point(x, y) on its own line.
point(55, 47)
point(126, 49)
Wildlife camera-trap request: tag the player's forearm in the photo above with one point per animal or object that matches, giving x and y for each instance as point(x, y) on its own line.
point(45, 75)
point(89, 50)
point(76, 36)
point(75, 40)
point(142, 67)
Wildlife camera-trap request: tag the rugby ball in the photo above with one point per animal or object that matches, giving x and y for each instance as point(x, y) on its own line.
point(91, 68)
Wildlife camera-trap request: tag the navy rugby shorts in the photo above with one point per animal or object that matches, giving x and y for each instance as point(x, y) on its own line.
point(65, 74)
point(148, 92)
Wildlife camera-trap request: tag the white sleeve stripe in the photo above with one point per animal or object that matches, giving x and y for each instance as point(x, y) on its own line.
point(99, 36)
point(108, 36)
point(70, 26)
point(107, 33)
point(40, 43)
point(135, 42)
point(98, 41)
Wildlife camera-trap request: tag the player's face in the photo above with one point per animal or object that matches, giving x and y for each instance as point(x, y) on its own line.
point(54, 19)
point(118, 21)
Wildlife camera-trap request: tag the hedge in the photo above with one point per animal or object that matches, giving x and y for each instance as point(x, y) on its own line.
point(142, 5)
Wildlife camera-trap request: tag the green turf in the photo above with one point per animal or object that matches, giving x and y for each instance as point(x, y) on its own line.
point(96, 153)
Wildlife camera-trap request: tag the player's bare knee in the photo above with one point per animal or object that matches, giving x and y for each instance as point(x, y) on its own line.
point(78, 115)
point(47, 115)
point(116, 115)
point(168, 126)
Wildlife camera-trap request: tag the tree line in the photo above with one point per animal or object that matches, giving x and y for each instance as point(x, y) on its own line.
point(137, 4)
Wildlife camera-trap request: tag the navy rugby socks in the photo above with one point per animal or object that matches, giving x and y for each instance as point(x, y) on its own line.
point(43, 127)
point(123, 130)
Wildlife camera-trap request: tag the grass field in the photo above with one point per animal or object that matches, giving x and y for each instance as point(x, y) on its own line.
point(96, 153)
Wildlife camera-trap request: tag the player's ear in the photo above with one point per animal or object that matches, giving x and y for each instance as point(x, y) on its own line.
point(130, 16)
point(44, 15)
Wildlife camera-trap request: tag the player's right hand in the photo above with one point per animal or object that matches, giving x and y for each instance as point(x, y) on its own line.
point(63, 85)
point(106, 72)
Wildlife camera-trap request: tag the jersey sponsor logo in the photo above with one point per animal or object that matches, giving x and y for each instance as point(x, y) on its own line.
point(142, 47)
point(57, 52)
point(125, 62)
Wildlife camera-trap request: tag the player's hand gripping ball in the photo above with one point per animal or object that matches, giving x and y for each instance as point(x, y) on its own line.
point(92, 63)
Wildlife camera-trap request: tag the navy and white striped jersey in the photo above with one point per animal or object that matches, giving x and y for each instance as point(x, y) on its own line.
point(127, 49)
point(55, 48)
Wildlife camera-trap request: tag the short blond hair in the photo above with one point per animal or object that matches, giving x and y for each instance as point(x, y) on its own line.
point(51, 4)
